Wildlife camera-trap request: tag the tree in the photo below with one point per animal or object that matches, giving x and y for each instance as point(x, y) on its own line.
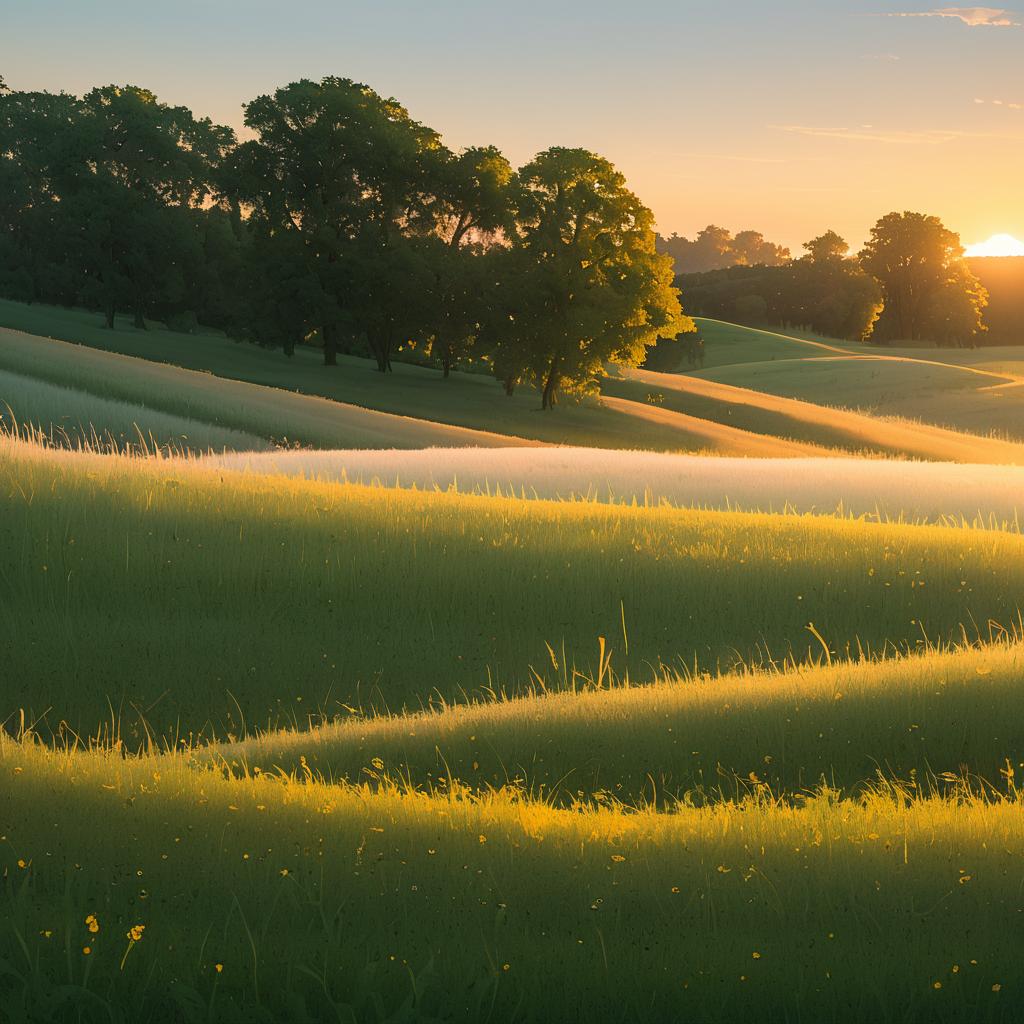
point(927, 288)
point(715, 248)
point(591, 288)
point(354, 179)
point(752, 249)
point(473, 212)
point(830, 293)
point(827, 248)
point(144, 167)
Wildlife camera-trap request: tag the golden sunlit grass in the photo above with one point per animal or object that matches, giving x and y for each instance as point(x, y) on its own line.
point(943, 403)
point(274, 896)
point(100, 381)
point(824, 384)
point(882, 489)
point(936, 718)
point(302, 599)
point(411, 408)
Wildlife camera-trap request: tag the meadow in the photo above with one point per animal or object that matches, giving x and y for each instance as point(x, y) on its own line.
point(301, 599)
point(275, 898)
point(69, 417)
point(494, 731)
point(973, 391)
point(881, 489)
point(412, 407)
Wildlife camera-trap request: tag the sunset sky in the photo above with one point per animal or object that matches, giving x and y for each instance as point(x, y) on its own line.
point(785, 117)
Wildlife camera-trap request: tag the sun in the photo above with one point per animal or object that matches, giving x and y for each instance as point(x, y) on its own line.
point(997, 245)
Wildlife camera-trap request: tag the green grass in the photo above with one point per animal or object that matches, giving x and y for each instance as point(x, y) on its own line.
point(297, 598)
point(978, 391)
point(70, 417)
point(845, 725)
point(727, 344)
point(508, 860)
point(329, 903)
point(271, 414)
point(466, 400)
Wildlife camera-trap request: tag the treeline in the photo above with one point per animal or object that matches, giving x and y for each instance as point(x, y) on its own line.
point(342, 220)
point(716, 248)
point(909, 283)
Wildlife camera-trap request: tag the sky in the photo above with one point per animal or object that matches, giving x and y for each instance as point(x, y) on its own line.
point(784, 117)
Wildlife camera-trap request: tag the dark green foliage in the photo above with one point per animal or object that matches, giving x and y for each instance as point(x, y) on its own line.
point(343, 222)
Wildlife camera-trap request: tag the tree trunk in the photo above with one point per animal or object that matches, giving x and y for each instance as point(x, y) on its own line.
point(330, 335)
point(550, 386)
point(380, 344)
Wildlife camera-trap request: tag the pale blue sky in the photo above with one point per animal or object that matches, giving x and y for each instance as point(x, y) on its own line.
point(787, 117)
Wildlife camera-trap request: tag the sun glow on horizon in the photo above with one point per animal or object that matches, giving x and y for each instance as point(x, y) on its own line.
point(997, 245)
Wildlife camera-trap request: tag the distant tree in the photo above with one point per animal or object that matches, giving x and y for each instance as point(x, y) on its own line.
point(830, 293)
point(591, 287)
point(39, 158)
point(146, 165)
point(671, 355)
point(752, 249)
point(715, 248)
point(827, 248)
point(929, 292)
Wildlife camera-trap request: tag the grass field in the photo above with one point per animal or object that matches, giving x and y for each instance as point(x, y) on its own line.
point(300, 598)
point(294, 750)
point(259, 898)
point(467, 409)
point(848, 726)
point(74, 418)
point(883, 489)
point(979, 391)
point(804, 421)
point(208, 401)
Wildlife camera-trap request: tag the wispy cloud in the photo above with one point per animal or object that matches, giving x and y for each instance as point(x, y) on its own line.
point(975, 17)
point(1007, 104)
point(868, 133)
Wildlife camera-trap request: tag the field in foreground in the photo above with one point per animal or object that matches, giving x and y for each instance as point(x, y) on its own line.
point(264, 898)
point(835, 836)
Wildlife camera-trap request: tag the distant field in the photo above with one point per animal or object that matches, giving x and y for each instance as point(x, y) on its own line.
point(726, 344)
point(300, 598)
point(269, 413)
point(807, 422)
point(980, 391)
point(874, 488)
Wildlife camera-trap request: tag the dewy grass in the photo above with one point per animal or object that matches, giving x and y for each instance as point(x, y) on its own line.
point(269, 898)
point(300, 600)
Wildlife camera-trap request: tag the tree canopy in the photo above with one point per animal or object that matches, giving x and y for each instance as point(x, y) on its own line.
point(928, 290)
